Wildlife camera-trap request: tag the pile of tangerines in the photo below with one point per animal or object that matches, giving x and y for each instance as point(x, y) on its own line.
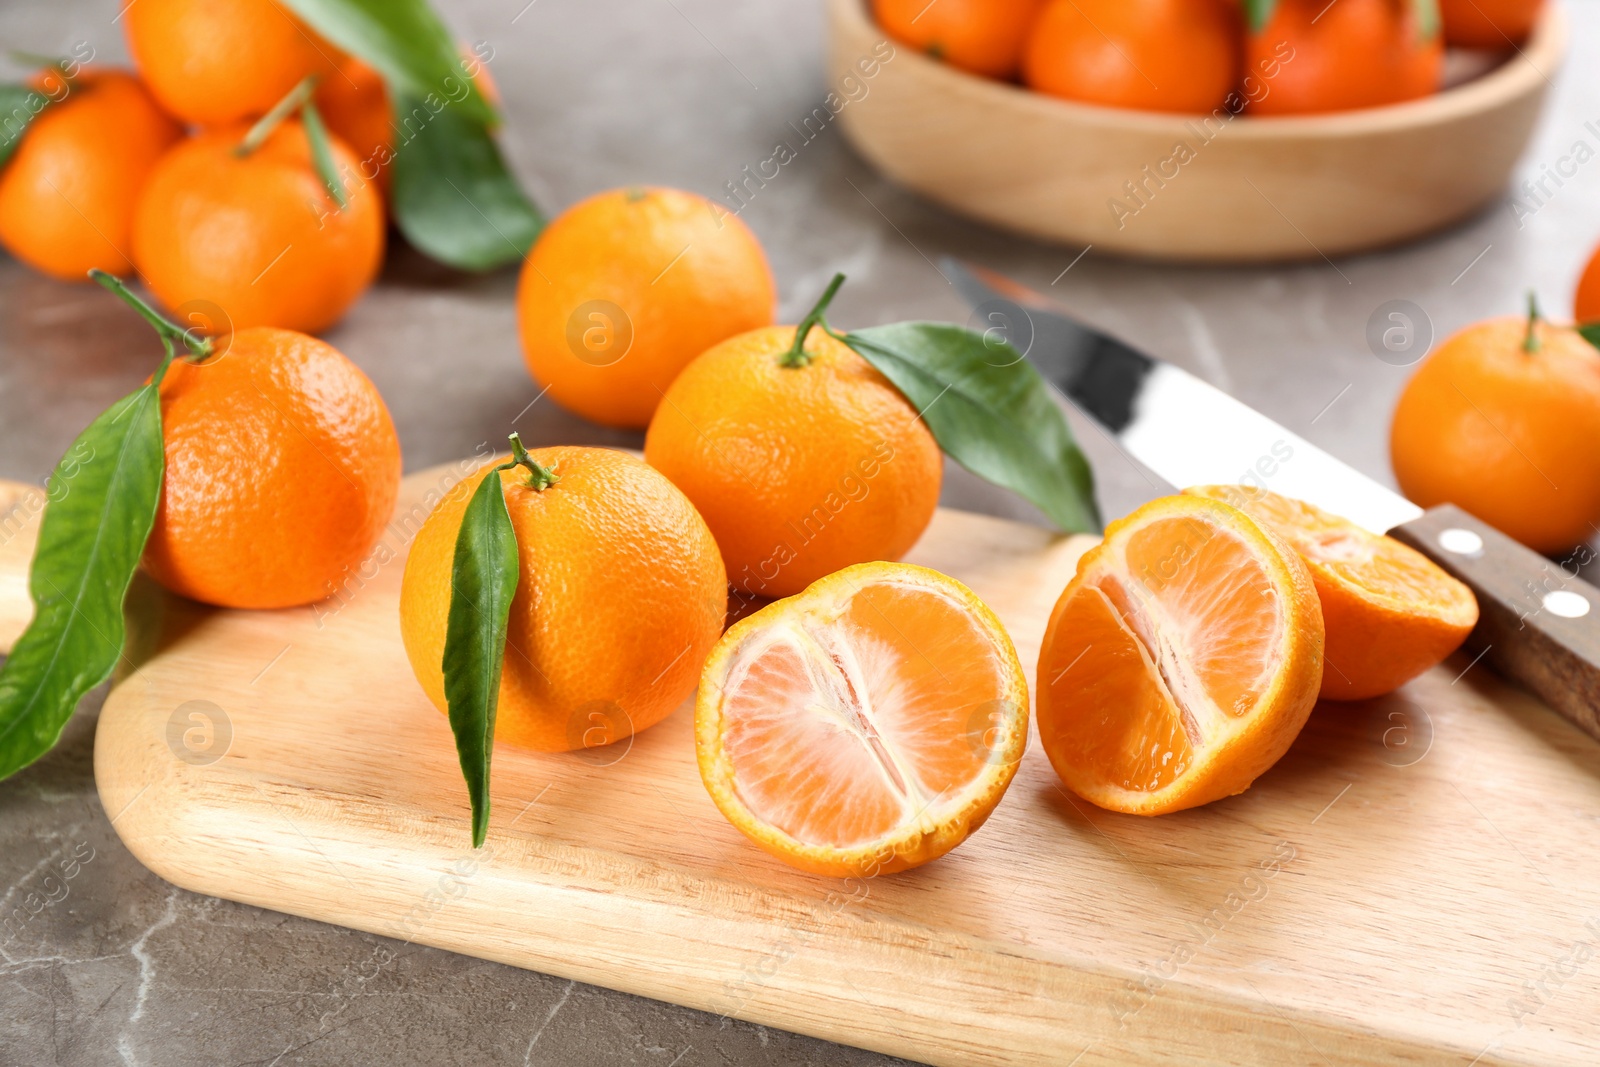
point(864, 715)
point(240, 168)
point(1262, 57)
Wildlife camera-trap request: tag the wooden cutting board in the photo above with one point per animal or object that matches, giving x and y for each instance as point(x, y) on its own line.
point(1414, 883)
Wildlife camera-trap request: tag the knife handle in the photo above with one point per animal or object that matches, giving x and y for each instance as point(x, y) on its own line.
point(1538, 622)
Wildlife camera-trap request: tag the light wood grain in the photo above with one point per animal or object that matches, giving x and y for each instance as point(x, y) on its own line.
point(1257, 189)
point(1388, 894)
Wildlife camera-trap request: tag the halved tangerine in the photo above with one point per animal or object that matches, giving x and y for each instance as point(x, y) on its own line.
point(866, 725)
point(1181, 661)
point(1390, 612)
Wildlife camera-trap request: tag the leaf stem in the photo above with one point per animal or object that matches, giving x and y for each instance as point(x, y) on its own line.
point(171, 333)
point(797, 356)
point(292, 101)
point(322, 153)
point(539, 478)
point(1530, 340)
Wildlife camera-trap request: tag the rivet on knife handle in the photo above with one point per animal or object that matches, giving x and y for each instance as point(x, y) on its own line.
point(1539, 623)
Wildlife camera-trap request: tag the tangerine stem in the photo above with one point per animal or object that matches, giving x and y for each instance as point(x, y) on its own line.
point(322, 153)
point(1530, 340)
point(170, 332)
point(797, 356)
point(292, 101)
point(539, 478)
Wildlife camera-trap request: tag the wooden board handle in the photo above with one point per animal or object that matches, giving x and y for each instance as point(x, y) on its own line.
point(1539, 623)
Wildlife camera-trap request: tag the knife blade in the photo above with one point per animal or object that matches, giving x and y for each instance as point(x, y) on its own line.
point(1538, 622)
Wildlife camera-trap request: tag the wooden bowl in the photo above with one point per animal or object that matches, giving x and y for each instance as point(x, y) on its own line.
point(1245, 190)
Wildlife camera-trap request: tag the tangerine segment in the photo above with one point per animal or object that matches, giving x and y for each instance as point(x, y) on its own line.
point(866, 725)
point(1390, 612)
point(1181, 661)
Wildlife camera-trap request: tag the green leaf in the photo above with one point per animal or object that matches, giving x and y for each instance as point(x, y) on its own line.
point(404, 40)
point(483, 579)
point(453, 197)
point(103, 496)
point(1591, 333)
point(19, 106)
point(990, 410)
point(1258, 13)
point(1428, 21)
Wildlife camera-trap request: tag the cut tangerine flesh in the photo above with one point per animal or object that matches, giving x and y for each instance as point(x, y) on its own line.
point(1390, 612)
point(1181, 661)
point(866, 725)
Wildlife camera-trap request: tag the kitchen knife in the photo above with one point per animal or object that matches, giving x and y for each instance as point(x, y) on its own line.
point(1538, 622)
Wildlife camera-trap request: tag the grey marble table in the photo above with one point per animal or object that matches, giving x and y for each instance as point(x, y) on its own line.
point(117, 967)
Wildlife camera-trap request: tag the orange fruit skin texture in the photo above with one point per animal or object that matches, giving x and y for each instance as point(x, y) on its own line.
point(799, 471)
point(67, 194)
point(282, 468)
point(259, 236)
point(1149, 55)
point(211, 62)
point(1498, 24)
point(1389, 612)
point(1098, 697)
point(1511, 436)
point(980, 36)
point(620, 597)
point(1586, 301)
point(961, 724)
point(1354, 54)
point(683, 273)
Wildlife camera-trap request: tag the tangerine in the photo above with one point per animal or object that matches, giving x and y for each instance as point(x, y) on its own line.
point(211, 62)
point(801, 464)
point(1181, 661)
point(866, 726)
point(1503, 420)
point(257, 234)
point(282, 467)
point(1150, 55)
point(980, 36)
point(620, 597)
point(1337, 57)
point(1499, 24)
point(623, 289)
point(67, 194)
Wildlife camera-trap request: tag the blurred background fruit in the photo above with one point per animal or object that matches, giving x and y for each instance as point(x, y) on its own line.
point(623, 289)
point(1497, 24)
point(982, 36)
point(67, 194)
point(1154, 55)
point(1586, 300)
point(258, 235)
point(621, 596)
point(1503, 420)
point(355, 104)
point(1347, 55)
point(1389, 612)
point(211, 62)
point(798, 469)
point(282, 469)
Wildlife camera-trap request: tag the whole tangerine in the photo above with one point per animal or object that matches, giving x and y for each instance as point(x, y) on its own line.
point(258, 235)
point(1343, 56)
point(980, 36)
point(620, 597)
point(623, 289)
point(1586, 301)
point(1149, 55)
point(211, 62)
point(67, 194)
point(1503, 420)
point(800, 465)
point(282, 467)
